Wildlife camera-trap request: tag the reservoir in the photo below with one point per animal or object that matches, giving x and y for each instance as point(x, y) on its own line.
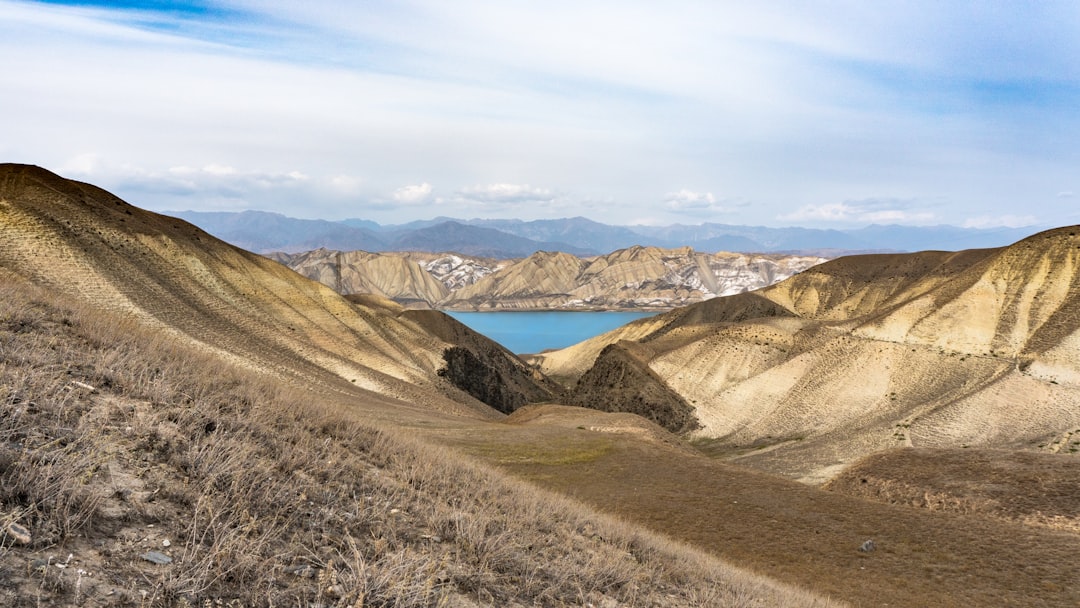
point(537, 331)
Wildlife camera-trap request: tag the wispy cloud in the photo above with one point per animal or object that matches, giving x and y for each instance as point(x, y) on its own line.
point(507, 195)
point(689, 202)
point(1001, 221)
point(867, 211)
point(785, 104)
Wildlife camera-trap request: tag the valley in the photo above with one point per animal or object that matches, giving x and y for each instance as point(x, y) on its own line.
point(738, 450)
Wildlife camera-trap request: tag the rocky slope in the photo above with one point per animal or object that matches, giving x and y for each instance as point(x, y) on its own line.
point(89, 244)
point(934, 349)
point(634, 278)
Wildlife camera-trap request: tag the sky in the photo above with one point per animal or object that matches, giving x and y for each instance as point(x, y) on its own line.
point(776, 113)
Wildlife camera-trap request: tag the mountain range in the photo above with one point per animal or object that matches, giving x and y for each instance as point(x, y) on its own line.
point(635, 278)
point(265, 232)
point(190, 422)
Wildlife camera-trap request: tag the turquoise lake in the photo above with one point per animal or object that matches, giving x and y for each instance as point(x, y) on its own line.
point(534, 332)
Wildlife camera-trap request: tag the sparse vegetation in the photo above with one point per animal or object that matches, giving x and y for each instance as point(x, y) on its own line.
point(116, 441)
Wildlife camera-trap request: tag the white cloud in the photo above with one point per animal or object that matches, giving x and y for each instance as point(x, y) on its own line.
point(502, 194)
point(688, 201)
point(1001, 221)
point(1065, 194)
point(416, 194)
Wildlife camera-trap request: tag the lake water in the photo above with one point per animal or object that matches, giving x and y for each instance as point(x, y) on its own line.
point(537, 331)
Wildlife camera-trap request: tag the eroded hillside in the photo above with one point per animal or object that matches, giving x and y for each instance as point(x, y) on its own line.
point(633, 278)
point(86, 243)
point(977, 348)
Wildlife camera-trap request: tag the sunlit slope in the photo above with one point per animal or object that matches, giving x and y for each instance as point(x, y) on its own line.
point(934, 349)
point(360, 272)
point(87, 243)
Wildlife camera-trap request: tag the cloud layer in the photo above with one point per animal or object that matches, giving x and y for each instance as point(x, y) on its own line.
point(803, 114)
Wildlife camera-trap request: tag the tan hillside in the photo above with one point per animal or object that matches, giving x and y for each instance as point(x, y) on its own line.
point(360, 272)
point(90, 245)
point(860, 354)
point(638, 277)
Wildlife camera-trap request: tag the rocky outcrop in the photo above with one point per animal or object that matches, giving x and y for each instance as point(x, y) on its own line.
point(483, 368)
point(635, 278)
point(620, 381)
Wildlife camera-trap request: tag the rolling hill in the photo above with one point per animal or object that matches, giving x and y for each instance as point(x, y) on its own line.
point(634, 278)
point(864, 353)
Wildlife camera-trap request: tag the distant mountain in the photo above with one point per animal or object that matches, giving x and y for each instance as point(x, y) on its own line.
point(365, 224)
point(261, 232)
point(265, 232)
point(474, 241)
point(579, 231)
point(633, 278)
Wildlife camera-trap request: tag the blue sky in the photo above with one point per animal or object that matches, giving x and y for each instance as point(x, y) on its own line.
point(831, 114)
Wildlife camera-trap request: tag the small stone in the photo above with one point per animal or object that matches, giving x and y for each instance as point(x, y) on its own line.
point(868, 546)
point(157, 558)
point(39, 565)
point(395, 511)
point(166, 543)
point(301, 570)
point(19, 533)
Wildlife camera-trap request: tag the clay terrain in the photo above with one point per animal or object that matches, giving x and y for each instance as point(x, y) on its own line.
point(636, 278)
point(184, 422)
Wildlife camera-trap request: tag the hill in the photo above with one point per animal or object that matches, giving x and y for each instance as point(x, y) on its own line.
point(863, 353)
point(634, 278)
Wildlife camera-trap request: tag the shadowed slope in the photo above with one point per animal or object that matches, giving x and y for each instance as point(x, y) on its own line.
point(482, 367)
point(620, 381)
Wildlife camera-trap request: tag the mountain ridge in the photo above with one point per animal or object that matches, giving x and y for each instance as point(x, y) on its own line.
point(519, 238)
point(647, 278)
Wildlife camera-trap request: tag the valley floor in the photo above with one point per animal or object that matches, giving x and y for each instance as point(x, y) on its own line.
point(795, 533)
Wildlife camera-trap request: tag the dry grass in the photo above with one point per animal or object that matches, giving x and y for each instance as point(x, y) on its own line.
point(114, 440)
point(799, 534)
point(1017, 486)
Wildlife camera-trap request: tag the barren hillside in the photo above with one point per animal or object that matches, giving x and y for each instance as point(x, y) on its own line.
point(860, 354)
point(90, 245)
point(633, 278)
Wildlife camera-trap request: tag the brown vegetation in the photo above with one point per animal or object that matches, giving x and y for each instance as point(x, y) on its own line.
point(1024, 487)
